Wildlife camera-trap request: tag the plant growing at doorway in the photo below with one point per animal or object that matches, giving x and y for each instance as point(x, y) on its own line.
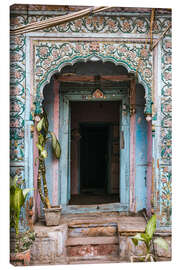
point(18, 196)
point(147, 238)
point(44, 135)
point(20, 242)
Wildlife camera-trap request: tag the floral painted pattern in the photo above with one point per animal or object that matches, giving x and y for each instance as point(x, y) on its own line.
point(50, 56)
point(17, 101)
point(166, 133)
point(165, 196)
point(96, 24)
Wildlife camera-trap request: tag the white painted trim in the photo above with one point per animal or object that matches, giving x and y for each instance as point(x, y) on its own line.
point(90, 35)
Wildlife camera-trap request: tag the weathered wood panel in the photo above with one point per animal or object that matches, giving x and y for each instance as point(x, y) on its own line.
point(141, 151)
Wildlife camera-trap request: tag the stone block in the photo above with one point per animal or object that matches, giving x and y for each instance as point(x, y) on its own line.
point(160, 252)
point(93, 250)
point(93, 231)
point(50, 245)
point(43, 251)
point(127, 248)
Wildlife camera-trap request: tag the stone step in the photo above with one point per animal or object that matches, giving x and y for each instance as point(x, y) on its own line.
point(94, 259)
point(91, 250)
point(92, 230)
point(74, 241)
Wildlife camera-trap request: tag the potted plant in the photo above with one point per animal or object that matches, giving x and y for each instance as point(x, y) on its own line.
point(20, 241)
point(52, 213)
point(147, 238)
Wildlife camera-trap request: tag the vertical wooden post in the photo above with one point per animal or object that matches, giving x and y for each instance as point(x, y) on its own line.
point(55, 169)
point(149, 168)
point(132, 145)
point(64, 154)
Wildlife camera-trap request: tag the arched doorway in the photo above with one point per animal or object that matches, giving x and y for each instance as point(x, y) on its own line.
point(104, 154)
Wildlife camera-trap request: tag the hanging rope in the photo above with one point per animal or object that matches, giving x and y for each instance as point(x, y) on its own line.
point(163, 34)
point(151, 27)
point(36, 26)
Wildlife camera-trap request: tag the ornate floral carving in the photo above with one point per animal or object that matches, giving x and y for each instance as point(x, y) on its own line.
point(165, 196)
point(166, 145)
point(96, 24)
point(166, 134)
point(17, 102)
point(50, 56)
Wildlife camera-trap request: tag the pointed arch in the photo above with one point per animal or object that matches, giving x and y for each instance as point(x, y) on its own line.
point(51, 57)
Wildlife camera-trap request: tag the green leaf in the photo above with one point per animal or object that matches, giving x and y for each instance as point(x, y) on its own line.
point(57, 150)
point(54, 139)
point(26, 191)
point(138, 237)
point(40, 124)
point(161, 243)
point(39, 147)
point(12, 193)
point(55, 145)
point(18, 199)
point(151, 226)
point(40, 139)
point(135, 241)
point(13, 180)
point(44, 153)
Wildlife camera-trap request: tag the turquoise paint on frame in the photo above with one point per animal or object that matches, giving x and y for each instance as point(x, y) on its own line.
point(64, 164)
point(141, 150)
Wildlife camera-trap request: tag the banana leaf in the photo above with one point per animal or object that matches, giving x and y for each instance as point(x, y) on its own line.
point(44, 153)
point(55, 145)
point(151, 226)
point(13, 180)
point(40, 124)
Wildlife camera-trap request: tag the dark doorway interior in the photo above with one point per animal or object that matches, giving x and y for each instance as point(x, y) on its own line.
point(94, 165)
point(93, 159)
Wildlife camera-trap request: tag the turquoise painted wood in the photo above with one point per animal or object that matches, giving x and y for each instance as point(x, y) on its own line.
point(64, 192)
point(64, 163)
point(69, 156)
point(141, 151)
point(124, 152)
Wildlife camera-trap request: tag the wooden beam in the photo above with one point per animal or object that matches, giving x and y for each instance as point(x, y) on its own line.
point(85, 78)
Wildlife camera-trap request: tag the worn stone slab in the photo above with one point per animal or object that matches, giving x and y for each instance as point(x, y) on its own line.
point(92, 240)
point(92, 231)
point(43, 251)
point(90, 224)
point(131, 224)
point(160, 252)
point(93, 250)
point(94, 259)
point(42, 230)
point(49, 245)
point(127, 248)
